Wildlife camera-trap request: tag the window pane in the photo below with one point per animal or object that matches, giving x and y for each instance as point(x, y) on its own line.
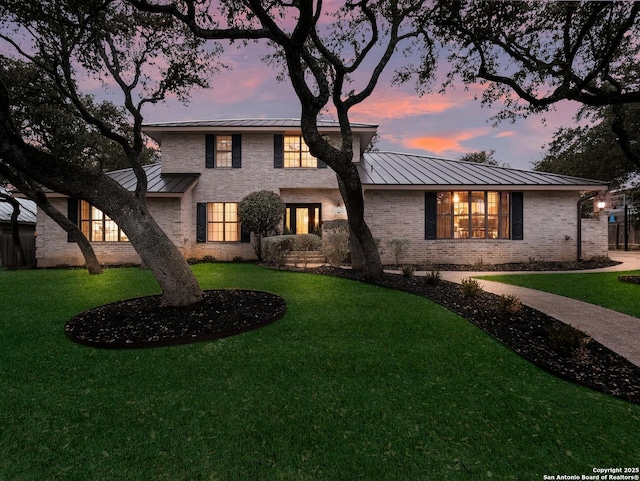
point(296, 153)
point(505, 216)
point(96, 231)
point(443, 214)
point(302, 221)
point(231, 212)
point(223, 151)
point(110, 231)
point(461, 215)
point(478, 211)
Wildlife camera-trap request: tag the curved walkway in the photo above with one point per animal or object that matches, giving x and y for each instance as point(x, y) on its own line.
point(619, 332)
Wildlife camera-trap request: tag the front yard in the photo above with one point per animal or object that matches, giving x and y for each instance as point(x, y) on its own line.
point(355, 382)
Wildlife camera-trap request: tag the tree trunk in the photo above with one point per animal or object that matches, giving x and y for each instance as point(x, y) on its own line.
point(15, 235)
point(90, 258)
point(365, 245)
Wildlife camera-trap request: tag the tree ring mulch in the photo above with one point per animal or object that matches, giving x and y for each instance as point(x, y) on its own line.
point(143, 322)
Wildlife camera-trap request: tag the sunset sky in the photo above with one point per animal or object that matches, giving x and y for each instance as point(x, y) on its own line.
point(448, 125)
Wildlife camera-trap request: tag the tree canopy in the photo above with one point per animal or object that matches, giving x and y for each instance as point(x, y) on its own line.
point(71, 44)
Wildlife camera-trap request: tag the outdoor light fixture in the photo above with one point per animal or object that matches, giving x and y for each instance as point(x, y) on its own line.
point(601, 204)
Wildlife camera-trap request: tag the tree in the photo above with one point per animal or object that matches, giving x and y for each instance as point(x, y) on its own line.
point(532, 55)
point(322, 63)
point(21, 259)
point(261, 213)
point(147, 58)
point(591, 151)
point(481, 157)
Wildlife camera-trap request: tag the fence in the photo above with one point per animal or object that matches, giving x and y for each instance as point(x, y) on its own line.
point(8, 256)
point(616, 236)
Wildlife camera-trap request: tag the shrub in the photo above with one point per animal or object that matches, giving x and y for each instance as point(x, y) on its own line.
point(433, 278)
point(335, 241)
point(305, 243)
point(276, 249)
point(471, 287)
point(566, 340)
point(260, 213)
point(399, 248)
point(408, 270)
point(509, 304)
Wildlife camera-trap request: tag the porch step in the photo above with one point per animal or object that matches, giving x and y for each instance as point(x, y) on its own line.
point(310, 257)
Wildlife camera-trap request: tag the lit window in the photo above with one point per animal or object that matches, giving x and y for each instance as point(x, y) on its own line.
point(473, 215)
point(98, 227)
point(296, 153)
point(222, 222)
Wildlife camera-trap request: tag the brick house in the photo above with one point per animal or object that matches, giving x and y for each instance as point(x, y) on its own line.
point(450, 211)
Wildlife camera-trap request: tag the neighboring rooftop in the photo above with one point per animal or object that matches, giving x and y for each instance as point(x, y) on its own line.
point(383, 169)
point(27, 215)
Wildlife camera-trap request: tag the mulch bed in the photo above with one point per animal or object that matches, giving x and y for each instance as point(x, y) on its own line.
point(143, 322)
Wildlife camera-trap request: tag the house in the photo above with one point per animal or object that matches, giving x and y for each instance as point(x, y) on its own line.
point(450, 211)
point(26, 231)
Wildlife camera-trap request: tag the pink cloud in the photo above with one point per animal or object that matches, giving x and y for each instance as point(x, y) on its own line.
point(388, 103)
point(447, 142)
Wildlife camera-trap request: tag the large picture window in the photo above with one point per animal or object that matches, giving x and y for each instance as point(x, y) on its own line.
point(473, 215)
point(98, 227)
point(296, 153)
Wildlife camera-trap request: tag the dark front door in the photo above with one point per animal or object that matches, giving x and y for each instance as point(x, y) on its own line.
point(302, 218)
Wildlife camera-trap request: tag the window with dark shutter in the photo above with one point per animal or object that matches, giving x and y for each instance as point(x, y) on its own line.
point(278, 151)
point(210, 151)
point(236, 151)
point(517, 216)
point(72, 214)
point(201, 222)
point(430, 215)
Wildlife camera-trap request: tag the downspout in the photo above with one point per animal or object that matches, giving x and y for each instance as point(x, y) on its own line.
point(583, 199)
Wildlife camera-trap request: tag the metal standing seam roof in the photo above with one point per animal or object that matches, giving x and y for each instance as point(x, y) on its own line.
point(157, 183)
point(391, 169)
point(250, 123)
point(27, 214)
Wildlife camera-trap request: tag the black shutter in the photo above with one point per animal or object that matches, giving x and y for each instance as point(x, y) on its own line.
point(430, 215)
point(210, 151)
point(201, 222)
point(236, 151)
point(517, 216)
point(278, 151)
point(72, 214)
point(245, 234)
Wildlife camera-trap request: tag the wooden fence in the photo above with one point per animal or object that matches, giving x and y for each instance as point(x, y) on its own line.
point(8, 256)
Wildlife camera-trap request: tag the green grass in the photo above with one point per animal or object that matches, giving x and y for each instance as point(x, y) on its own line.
point(355, 382)
point(599, 288)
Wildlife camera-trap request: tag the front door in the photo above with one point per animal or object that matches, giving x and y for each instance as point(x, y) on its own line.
point(302, 218)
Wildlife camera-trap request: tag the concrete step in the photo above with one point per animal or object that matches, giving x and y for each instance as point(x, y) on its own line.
point(310, 257)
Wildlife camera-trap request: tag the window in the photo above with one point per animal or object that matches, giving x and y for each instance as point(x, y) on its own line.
point(472, 215)
point(98, 227)
point(296, 153)
point(223, 151)
point(222, 222)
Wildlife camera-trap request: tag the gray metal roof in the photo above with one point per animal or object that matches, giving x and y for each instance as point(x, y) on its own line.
point(388, 169)
point(158, 183)
point(249, 124)
point(27, 215)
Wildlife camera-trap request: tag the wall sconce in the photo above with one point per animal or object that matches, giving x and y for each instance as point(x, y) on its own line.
point(601, 204)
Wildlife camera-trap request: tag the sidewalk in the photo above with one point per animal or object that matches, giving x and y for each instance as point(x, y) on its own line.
point(619, 332)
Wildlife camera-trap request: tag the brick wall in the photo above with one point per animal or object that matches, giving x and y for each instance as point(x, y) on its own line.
point(550, 230)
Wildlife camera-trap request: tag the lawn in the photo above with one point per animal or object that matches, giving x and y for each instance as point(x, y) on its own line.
point(600, 288)
point(355, 382)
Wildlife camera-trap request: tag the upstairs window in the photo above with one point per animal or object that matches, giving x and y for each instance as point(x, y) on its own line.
point(296, 153)
point(223, 151)
point(98, 227)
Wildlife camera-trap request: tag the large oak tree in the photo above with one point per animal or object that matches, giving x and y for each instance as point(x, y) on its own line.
point(145, 58)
